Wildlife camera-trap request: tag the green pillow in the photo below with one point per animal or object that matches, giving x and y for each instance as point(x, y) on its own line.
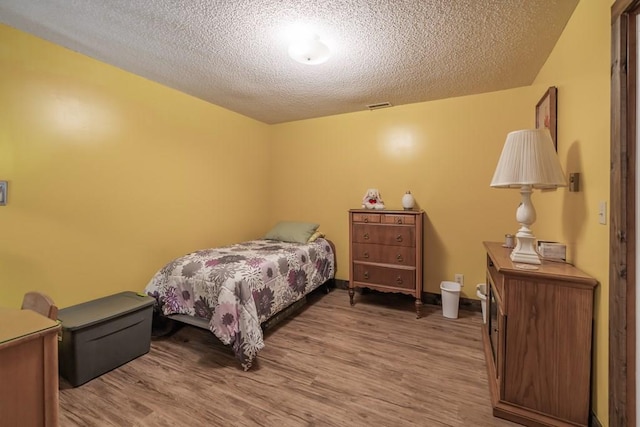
point(292, 231)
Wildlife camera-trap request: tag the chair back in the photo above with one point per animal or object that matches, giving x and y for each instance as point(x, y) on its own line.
point(40, 303)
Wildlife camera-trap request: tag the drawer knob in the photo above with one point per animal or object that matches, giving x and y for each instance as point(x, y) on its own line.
point(366, 219)
point(366, 236)
point(399, 280)
point(365, 255)
point(366, 274)
point(399, 238)
point(399, 258)
point(399, 220)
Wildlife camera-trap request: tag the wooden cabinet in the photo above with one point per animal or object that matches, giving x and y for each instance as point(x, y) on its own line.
point(538, 340)
point(385, 252)
point(28, 369)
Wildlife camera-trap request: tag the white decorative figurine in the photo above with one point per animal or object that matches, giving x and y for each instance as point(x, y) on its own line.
point(408, 202)
point(372, 199)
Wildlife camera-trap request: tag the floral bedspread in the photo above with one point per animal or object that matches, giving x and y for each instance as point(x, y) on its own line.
point(238, 287)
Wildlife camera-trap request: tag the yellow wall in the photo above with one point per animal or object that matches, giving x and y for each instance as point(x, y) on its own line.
point(580, 67)
point(111, 175)
point(446, 151)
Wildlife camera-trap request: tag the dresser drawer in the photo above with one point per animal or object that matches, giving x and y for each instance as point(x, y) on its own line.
point(384, 234)
point(395, 255)
point(398, 219)
point(367, 217)
point(392, 277)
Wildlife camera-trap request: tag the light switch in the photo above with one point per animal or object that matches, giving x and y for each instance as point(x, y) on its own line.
point(602, 212)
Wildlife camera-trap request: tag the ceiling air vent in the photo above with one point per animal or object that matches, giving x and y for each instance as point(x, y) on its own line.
point(378, 106)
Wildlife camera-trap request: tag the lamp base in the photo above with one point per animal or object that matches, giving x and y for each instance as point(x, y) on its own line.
point(525, 251)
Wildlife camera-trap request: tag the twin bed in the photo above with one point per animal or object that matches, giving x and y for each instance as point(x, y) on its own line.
point(234, 290)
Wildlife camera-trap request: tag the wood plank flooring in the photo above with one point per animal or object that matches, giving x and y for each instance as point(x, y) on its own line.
point(373, 364)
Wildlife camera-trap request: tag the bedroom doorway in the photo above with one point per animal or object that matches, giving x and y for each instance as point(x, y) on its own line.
point(624, 215)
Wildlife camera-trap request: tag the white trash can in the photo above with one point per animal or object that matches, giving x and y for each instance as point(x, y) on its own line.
point(450, 299)
point(481, 292)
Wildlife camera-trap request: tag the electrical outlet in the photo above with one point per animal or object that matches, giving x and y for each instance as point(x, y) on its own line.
point(459, 278)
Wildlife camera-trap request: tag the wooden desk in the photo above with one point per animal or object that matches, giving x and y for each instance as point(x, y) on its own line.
point(28, 369)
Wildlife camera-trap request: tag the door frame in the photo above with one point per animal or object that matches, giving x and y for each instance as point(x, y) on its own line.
point(622, 237)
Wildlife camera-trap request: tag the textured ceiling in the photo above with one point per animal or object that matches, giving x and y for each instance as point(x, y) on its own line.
point(233, 53)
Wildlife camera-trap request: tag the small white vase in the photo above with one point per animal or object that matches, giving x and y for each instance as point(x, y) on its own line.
point(408, 201)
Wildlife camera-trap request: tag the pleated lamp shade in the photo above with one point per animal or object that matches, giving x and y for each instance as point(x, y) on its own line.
point(529, 158)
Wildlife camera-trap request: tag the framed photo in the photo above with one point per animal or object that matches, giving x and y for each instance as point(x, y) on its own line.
point(547, 113)
point(3, 193)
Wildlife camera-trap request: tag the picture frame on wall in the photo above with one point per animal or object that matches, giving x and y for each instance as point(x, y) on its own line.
point(3, 193)
point(547, 113)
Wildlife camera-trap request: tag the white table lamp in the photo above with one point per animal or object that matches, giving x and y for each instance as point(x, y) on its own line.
point(528, 160)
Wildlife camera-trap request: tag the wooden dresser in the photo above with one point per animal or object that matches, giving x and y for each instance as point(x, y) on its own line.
point(537, 341)
point(28, 369)
point(385, 252)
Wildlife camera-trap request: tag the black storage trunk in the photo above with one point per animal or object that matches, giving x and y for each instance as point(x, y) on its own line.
point(100, 335)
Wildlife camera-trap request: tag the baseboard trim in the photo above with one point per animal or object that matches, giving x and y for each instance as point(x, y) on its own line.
point(429, 298)
point(341, 284)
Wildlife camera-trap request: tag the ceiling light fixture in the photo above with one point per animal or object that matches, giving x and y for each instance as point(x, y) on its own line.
point(309, 50)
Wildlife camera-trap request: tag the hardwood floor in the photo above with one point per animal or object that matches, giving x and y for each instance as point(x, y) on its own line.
point(373, 364)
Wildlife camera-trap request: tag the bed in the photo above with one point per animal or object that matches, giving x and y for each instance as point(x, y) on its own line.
point(234, 290)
